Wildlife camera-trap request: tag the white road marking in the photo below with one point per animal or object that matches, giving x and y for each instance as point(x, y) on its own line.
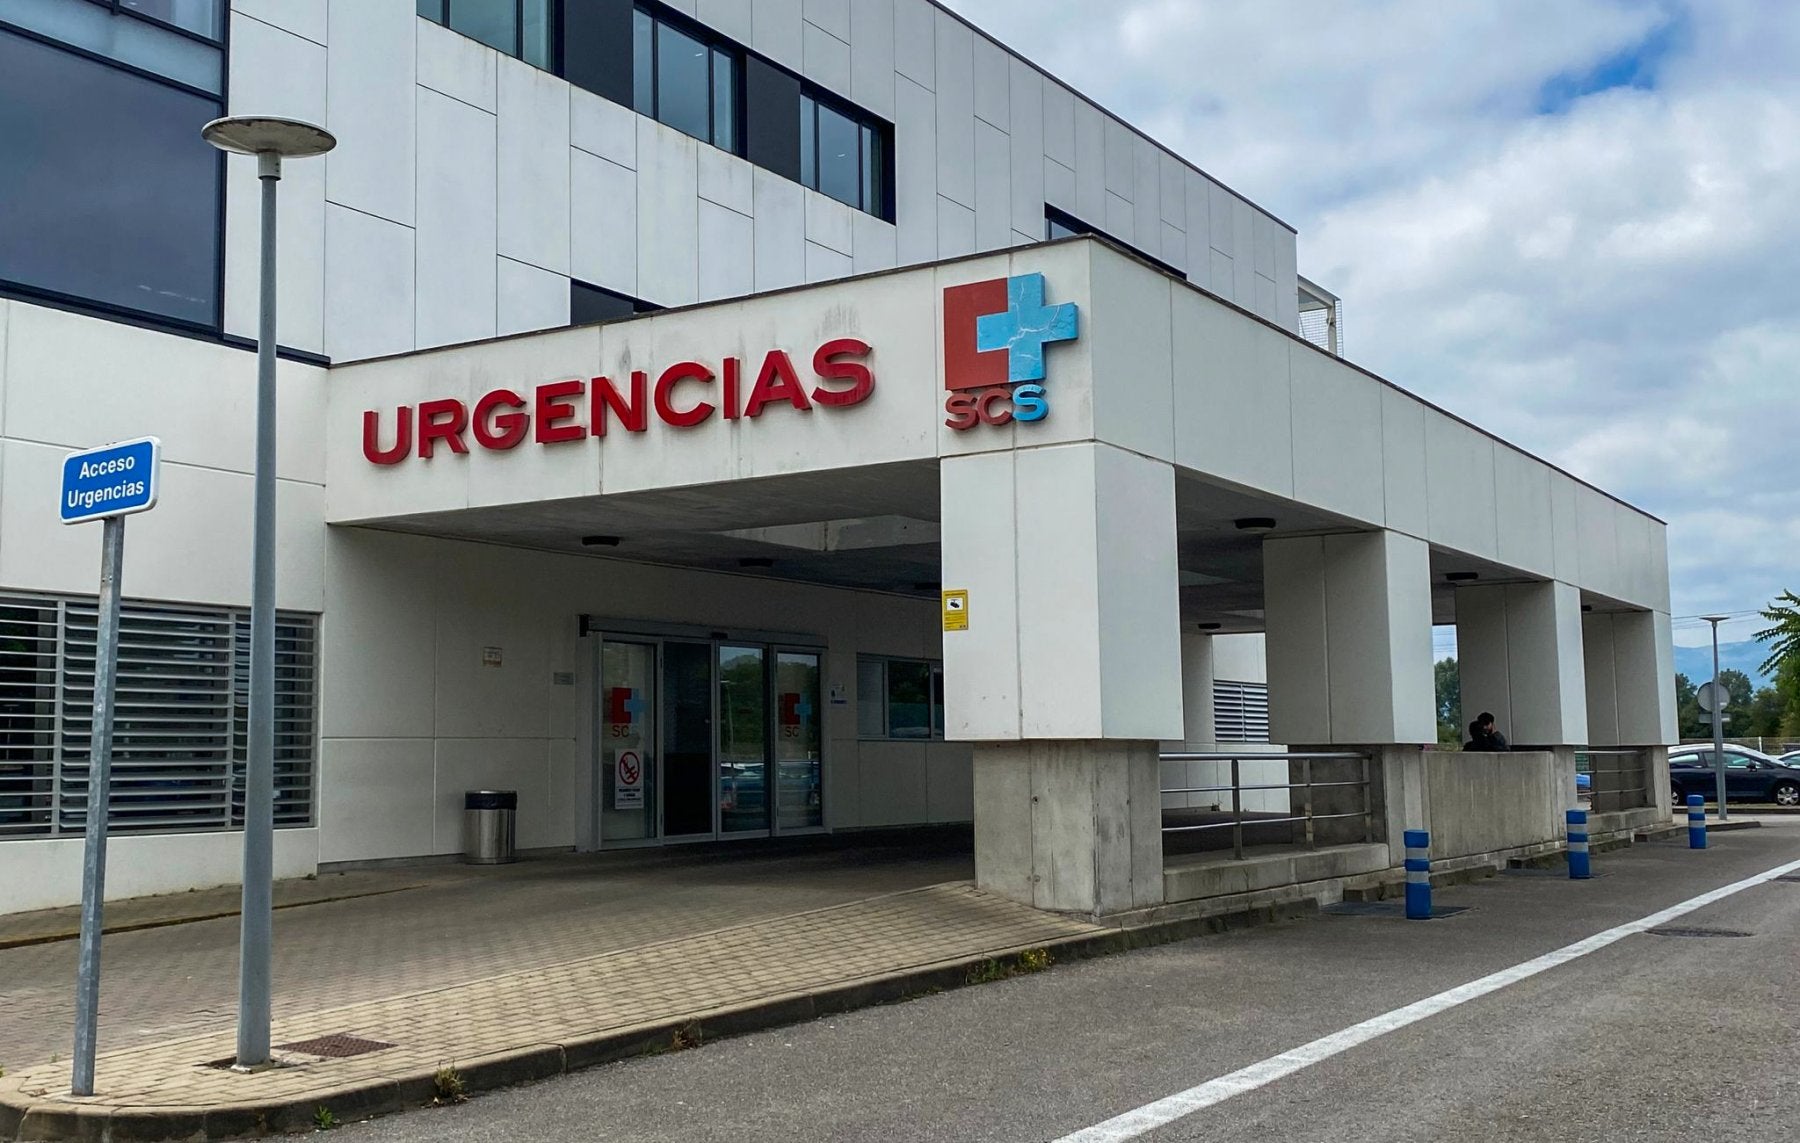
point(1162, 1112)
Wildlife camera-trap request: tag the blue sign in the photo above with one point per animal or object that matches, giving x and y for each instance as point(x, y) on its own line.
point(113, 480)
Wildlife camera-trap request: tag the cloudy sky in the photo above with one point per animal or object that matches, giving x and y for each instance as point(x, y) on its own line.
point(1575, 222)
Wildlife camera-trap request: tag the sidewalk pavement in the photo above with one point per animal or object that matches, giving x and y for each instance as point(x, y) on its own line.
point(641, 972)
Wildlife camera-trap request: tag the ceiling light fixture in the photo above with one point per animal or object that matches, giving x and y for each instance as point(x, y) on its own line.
point(600, 541)
point(1211, 626)
point(1255, 524)
point(1462, 576)
point(756, 562)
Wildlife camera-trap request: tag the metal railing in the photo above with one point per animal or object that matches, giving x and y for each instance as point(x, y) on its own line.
point(1305, 815)
point(1618, 779)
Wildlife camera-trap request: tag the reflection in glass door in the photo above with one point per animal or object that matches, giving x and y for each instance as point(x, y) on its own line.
point(687, 749)
point(743, 740)
point(797, 740)
point(627, 741)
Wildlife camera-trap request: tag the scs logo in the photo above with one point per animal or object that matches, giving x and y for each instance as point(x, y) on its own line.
point(994, 338)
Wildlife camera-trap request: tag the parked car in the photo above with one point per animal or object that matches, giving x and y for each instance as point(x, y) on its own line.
point(1750, 776)
point(1792, 758)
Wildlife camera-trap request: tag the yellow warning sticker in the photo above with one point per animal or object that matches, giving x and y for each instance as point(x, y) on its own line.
point(956, 610)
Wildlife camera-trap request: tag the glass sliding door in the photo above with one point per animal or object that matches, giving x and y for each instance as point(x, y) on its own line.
point(687, 751)
point(743, 739)
point(799, 793)
point(628, 787)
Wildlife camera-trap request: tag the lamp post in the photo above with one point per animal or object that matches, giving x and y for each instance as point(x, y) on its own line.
point(1720, 698)
point(270, 139)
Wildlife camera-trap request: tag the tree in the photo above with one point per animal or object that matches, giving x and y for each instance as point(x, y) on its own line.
point(1783, 638)
point(1449, 702)
point(1687, 708)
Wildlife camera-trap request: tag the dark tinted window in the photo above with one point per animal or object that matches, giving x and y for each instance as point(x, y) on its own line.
point(843, 154)
point(683, 79)
point(589, 304)
point(109, 193)
point(522, 28)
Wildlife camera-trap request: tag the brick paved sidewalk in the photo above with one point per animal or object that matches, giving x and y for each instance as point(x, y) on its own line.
point(544, 1020)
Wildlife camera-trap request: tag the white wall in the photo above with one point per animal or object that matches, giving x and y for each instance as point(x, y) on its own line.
point(468, 187)
point(46, 874)
point(411, 717)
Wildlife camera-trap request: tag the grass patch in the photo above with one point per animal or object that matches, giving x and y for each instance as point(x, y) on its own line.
point(1025, 963)
point(448, 1087)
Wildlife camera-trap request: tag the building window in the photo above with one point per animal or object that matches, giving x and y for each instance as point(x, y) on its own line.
point(111, 197)
point(843, 153)
point(1240, 712)
point(1061, 224)
point(899, 699)
point(589, 304)
point(685, 79)
point(180, 722)
point(521, 28)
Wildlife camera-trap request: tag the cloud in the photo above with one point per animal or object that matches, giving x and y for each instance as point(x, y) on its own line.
point(1569, 220)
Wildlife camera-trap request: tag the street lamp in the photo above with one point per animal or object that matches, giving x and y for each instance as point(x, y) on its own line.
point(270, 139)
point(1720, 698)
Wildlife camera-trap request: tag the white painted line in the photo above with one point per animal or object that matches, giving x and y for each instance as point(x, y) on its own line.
point(1164, 1111)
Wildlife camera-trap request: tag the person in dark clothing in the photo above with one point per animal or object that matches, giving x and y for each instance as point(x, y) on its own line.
point(1485, 736)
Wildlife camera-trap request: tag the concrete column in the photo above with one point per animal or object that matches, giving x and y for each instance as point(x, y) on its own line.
point(1068, 555)
point(1074, 826)
point(1630, 678)
point(1068, 674)
point(1199, 730)
point(1519, 655)
point(1349, 639)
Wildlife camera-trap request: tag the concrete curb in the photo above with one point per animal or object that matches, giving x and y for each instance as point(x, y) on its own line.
point(24, 1118)
point(55, 935)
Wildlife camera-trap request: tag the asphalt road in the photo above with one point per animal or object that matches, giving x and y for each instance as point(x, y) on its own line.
point(1650, 1038)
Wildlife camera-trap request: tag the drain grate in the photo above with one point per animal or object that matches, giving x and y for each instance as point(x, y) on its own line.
point(336, 1046)
point(1675, 931)
point(1386, 909)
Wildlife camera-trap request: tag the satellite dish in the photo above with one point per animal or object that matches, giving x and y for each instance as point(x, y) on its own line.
point(1713, 696)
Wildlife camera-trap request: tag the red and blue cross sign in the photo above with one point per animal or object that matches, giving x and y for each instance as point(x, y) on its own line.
point(994, 338)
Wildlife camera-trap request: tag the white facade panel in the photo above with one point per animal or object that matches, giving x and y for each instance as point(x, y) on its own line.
point(829, 223)
point(1059, 121)
point(956, 229)
point(530, 298)
point(1403, 463)
point(827, 58)
point(993, 82)
point(1459, 486)
point(915, 160)
point(955, 104)
point(734, 18)
point(369, 266)
point(726, 180)
point(604, 232)
point(668, 215)
point(728, 258)
point(1221, 212)
point(780, 231)
point(1120, 219)
point(915, 41)
point(1090, 163)
point(1059, 191)
point(301, 17)
point(824, 264)
point(874, 244)
point(1223, 277)
point(1337, 426)
point(1233, 401)
point(1121, 157)
point(534, 166)
point(278, 73)
point(372, 67)
point(1522, 513)
point(993, 188)
point(452, 64)
point(1146, 193)
point(832, 16)
point(455, 237)
point(1173, 190)
point(1025, 142)
point(872, 63)
point(1130, 335)
point(602, 127)
point(776, 31)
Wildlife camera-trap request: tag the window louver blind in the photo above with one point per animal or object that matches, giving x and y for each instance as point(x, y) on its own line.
point(180, 716)
point(1241, 712)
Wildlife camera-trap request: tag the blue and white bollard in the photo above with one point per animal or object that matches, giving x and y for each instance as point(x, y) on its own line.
point(1418, 875)
point(1579, 869)
point(1696, 821)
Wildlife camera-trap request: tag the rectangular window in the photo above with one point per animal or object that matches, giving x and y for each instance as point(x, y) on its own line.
point(111, 196)
point(899, 699)
point(180, 717)
point(685, 79)
point(521, 28)
point(843, 154)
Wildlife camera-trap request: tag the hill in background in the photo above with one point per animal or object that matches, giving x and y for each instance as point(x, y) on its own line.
point(1748, 656)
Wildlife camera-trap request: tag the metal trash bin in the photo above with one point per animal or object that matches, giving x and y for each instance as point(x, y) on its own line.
point(488, 826)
